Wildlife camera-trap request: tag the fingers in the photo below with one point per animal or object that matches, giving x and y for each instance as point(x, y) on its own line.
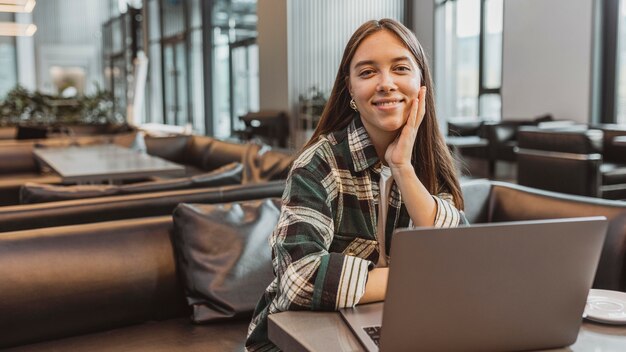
point(421, 108)
point(413, 114)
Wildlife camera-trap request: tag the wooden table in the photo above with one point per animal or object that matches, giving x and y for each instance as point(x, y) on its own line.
point(620, 141)
point(326, 331)
point(105, 162)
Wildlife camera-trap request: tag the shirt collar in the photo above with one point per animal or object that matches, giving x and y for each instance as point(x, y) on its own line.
point(361, 148)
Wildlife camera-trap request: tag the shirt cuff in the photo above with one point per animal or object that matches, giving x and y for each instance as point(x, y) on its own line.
point(352, 281)
point(447, 214)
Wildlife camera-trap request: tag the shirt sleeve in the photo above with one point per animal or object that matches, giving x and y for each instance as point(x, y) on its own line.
point(447, 213)
point(309, 276)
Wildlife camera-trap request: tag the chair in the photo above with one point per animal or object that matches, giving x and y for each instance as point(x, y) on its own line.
point(569, 160)
point(501, 136)
point(270, 125)
point(613, 168)
point(493, 201)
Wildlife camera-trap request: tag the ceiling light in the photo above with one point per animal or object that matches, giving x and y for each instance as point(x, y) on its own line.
point(17, 5)
point(17, 29)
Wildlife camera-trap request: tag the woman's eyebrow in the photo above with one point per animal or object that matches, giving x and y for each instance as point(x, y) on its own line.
point(372, 62)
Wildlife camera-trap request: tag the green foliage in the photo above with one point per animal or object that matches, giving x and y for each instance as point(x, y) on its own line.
point(312, 105)
point(21, 106)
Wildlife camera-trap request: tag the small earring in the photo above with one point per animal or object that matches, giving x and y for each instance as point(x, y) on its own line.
point(353, 105)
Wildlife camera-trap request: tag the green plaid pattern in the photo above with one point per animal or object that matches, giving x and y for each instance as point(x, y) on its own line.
point(325, 241)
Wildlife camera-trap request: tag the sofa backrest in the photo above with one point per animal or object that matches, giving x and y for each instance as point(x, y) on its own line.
point(490, 201)
point(8, 132)
point(510, 202)
point(17, 158)
point(72, 280)
point(83, 211)
point(169, 148)
point(220, 153)
point(260, 162)
point(579, 141)
point(611, 152)
point(476, 194)
point(546, 158)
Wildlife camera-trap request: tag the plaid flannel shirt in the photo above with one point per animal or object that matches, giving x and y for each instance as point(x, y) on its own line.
point(325, 241)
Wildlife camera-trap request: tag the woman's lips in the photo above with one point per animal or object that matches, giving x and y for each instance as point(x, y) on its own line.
point(388, 104)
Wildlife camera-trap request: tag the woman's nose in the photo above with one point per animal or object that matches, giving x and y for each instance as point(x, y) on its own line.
point(386, 83)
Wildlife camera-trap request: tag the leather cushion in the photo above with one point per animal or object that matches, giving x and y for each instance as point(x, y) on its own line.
point(17, 158)
point(262, 164)
point(226, 175)
point(194, 153)
point(41, 193)
point(224, 256)
point(169, 148)
point(613, 174)
point(219, 153)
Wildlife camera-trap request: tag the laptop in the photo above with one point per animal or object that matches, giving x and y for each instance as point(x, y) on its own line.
point(489, 287)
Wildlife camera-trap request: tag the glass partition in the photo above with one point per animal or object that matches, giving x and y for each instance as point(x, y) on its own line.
point(621, 65)
point(469, 58)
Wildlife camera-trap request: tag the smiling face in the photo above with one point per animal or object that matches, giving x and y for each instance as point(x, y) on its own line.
point(384, 78)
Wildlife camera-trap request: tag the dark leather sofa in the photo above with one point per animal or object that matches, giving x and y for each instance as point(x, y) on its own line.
point(19, 166)
point(83, 211)
point(198, 154)
point(115, 285)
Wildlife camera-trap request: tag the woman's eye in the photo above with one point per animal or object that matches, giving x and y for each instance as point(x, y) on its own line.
point(366, 73)
point(403, 68)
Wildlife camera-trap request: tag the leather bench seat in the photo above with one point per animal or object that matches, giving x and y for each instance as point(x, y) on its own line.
point(116, 286)
point(10, 185)
point(155, 336)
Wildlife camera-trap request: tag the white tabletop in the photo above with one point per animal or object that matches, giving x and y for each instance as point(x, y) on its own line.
point(105, 162)
point(466, 141)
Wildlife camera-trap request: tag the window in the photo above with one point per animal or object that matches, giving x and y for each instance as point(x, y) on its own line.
point(8, 62)
point(469, 58)
point(621, 65)
point(202, 55)
point(235, 83)
point(121, 42)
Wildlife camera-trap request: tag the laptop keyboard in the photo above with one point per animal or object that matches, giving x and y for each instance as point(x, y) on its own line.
point(374, 333)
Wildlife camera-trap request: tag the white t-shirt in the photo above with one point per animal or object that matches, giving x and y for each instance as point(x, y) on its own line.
point(386, 179)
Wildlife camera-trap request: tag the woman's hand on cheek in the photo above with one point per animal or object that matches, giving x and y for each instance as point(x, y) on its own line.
point(398, 154)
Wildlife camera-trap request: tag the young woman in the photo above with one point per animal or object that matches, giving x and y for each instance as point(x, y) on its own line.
point(376, 162)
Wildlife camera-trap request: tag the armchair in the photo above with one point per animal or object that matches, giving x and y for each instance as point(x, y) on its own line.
point(492, 201)
point(569, 161)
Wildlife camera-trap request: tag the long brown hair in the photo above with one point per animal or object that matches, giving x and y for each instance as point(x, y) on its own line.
point(431, 158)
